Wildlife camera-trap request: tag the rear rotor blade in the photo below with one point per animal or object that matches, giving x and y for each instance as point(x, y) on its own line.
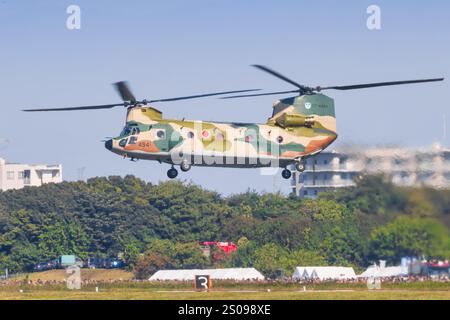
point(380, 84)
point(280, 76)
point(105, 106)
point(124, 91)
point(201, 95)
point(260, 94)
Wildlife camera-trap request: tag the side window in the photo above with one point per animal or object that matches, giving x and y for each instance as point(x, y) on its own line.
point(160, 134)
point(123, 143)
point(26, 176)
point(10, 175)
point(134, 131)
point(133, 140)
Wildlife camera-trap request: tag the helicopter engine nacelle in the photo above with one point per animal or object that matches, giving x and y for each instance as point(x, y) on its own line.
point(294, 120)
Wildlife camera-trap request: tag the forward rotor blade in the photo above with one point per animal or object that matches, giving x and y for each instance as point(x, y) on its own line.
point(105, 106)
point(380, 84)
point(201, 95)
point(124, 91)
point(280, 76)
point(260, 94)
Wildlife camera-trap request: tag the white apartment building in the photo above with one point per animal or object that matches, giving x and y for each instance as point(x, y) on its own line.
point(17, 176)
point(405, 167)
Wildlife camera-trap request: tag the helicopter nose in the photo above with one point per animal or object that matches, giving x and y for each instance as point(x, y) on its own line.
point(109, 144)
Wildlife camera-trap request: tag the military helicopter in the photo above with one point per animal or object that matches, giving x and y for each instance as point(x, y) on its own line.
point(300, 127)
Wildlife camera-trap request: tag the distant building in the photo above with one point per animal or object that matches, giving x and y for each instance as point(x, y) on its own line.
point(405, 167)
point(226, 247)
point(17, 176)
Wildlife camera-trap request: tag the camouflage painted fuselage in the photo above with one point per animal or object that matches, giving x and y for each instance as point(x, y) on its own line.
point(299, 127)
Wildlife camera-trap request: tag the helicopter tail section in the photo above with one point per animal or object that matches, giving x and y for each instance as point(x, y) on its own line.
point(311, 111)
point(310, 119)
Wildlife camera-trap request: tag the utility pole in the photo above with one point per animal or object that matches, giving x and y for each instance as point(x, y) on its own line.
point(4, 142)
point(80, 172)
point(444, 136)
point(274, 187)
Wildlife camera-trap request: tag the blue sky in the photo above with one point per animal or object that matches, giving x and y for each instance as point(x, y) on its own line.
point(171, 48)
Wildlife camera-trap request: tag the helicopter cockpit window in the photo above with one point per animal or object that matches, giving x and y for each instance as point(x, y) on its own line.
point(123, 143)
point(130, 130)
point(133, 140)
point(160, 134)
point(125, 132)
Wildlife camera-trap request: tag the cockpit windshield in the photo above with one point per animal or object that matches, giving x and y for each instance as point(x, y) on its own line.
point(129, 130)
point(126, 131)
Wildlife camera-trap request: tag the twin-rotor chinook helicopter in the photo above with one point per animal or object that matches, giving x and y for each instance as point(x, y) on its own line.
point(300, 126)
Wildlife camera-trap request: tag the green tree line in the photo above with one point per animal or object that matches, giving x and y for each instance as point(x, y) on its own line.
point(154, 226)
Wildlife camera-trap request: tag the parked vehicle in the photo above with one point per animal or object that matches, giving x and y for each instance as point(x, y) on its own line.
point(59, 263)
point(70, 260)
point(44, 266)
point(104, 263)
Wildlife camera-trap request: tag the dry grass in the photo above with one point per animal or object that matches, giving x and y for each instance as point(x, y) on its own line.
point(130, 294)
point(222, 291)
point(86, 274)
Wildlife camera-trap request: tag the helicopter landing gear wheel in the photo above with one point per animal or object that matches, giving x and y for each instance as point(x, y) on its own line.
point(300, 166)
point(286, 174)
point(185, 166)
point(172, 173)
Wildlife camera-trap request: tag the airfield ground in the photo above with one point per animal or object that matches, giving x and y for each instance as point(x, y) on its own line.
point(115, 285)
point(133, 294)
point(86, 274)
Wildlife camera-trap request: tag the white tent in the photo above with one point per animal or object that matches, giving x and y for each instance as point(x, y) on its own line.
point(386, 272)
point(216, 274)
point(324, 273)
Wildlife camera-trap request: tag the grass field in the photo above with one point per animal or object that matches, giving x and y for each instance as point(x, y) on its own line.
point(132, 294)
point(86, 274)
point(223, 290)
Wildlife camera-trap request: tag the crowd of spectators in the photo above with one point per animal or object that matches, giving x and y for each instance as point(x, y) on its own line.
point(40, 282)
point(286, 280)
